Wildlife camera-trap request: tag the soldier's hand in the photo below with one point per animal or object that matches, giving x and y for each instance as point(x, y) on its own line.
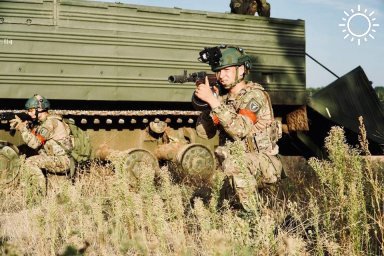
point(17, 123)
point(204, 92)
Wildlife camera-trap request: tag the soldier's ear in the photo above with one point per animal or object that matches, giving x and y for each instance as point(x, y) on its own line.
point(242, 70)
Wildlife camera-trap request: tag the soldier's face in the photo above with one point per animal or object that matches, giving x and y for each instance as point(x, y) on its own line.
point(32, 113)
point(227, 76)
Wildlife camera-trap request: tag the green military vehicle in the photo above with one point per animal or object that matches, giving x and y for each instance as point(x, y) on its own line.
point(106, 67)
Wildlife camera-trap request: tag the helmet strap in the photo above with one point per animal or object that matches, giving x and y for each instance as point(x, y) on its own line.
point(36, 115)
point(37, 112)
point(237, 79)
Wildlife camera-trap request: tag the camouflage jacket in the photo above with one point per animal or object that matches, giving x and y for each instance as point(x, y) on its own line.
point(246, 116)
point(52, 136)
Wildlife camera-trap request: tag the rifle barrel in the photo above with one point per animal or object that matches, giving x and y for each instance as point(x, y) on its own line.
point(177, 79)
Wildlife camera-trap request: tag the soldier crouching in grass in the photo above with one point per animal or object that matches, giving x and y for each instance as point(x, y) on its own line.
point(50, 136)
point(242, 113)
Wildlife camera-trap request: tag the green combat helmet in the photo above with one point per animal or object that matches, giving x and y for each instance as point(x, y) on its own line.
point(223, 56)
point(37, 102)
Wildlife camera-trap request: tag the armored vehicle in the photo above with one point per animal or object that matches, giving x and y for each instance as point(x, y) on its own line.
point(106, 66)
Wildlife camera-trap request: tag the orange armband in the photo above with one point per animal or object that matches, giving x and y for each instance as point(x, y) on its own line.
point(248, 113)
point(215, 120)
point(39, 137)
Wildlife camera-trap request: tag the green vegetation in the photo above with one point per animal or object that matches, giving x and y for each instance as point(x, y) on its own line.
point(380, 93)
point(334, 208)
point(311, 91)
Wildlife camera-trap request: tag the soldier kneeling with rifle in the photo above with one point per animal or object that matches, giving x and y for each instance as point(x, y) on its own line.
point(50, 136)
point(241, 112)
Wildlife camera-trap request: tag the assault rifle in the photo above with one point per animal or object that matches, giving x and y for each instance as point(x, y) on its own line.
point(197, 78)
point(8, 116)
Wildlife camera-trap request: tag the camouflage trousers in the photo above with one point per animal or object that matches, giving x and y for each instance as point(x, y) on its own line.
point(258, 170)
point(54, 164)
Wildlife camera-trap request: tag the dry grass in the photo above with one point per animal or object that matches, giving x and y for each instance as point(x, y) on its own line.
point(334, 207)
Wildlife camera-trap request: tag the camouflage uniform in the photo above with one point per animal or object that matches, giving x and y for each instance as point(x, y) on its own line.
point(250, 7)
point(233, 119)
point(53, 141)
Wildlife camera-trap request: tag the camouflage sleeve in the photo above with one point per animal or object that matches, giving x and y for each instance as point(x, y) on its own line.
point(237, 123)
point(30, 139)
point(37, 138)
point(253, 100)
point(257, 102)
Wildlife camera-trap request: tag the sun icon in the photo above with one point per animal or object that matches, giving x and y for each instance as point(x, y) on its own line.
point(359, 25)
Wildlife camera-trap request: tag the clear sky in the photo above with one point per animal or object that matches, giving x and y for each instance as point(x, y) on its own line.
point(325, 39)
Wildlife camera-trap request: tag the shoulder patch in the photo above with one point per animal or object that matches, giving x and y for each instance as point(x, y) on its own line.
point(43, 132)
point(253, 105)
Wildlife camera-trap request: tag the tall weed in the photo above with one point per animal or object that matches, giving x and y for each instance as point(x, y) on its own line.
point(109, 211)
